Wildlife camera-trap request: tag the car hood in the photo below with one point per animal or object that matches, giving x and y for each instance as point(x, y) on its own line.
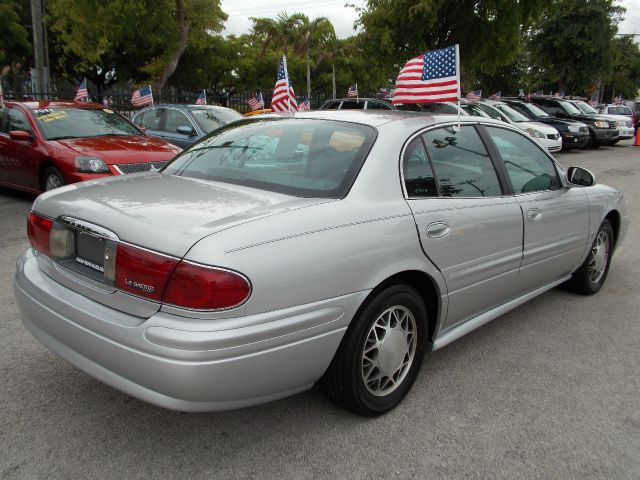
point(164, 213)
point(546, 129)
point(558, 121)
point(121, 149)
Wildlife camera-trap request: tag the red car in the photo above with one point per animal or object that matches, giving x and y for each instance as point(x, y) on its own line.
point(47, 144)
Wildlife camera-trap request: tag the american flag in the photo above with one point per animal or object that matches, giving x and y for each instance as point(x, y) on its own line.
point(202, 98)
point(81, 92)
point(385, 92)
point(256, 103)
point(1, 95)
point(142, 97)
point(284, 98)
point(428, 78)
point(475, 95)
point(617, 100)
point(305, 104)
point(539, 93)
point(592, 103)
point(353, 90)
point(496, 96)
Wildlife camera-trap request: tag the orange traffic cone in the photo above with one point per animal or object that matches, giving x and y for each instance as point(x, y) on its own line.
point(637, 141)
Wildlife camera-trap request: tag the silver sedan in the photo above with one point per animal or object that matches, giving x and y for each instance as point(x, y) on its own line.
point(332, 246)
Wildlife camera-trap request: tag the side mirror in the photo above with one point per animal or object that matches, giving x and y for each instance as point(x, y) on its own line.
point(20, 135)
point(185, 130)
point(580, 176)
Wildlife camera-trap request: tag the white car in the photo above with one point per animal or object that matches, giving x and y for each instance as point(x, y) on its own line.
point(623, 116)
point(546, 136)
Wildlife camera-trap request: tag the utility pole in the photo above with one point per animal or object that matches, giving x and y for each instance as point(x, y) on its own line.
point(40, 74)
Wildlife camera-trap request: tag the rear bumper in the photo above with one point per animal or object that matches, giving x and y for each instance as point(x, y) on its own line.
point(181, 363)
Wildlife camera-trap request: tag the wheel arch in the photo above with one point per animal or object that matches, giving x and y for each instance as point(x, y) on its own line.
point(615, 219)
point(426, 287)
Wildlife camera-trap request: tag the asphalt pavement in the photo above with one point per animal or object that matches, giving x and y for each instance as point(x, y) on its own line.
point(550, 391)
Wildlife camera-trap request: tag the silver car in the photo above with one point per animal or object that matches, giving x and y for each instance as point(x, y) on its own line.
point(332, 246)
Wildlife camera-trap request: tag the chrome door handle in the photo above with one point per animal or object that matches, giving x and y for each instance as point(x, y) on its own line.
point(438, 229)
point(534, 215)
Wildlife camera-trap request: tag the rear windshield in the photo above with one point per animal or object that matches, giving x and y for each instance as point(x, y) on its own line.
point(302, 157)
point(60, 123)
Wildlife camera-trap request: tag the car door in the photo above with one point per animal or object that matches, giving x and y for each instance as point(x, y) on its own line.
point(18, 157)
point(173, 120)
point(467, 226)
point(556, 218)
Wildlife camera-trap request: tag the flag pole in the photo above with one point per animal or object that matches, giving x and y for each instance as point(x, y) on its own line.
point(458, 82)
point(151, 90)
point(357, 94)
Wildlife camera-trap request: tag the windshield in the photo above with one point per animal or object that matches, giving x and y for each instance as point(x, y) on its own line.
point(513, 115)
point(586, 108)
point(570, 108)
point(211, 118)
point(59, 123)
point(535, 110)
point(620, 111)
point(302, 157)
point(474, 109)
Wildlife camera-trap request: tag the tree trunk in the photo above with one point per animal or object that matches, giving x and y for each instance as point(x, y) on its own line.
point(174, 58)
point(333, 79)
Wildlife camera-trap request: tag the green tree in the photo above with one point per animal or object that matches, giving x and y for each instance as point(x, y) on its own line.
point(488, 32)
point(624, 77)
point(142, 40)
point(14, 37)
point(572, 47)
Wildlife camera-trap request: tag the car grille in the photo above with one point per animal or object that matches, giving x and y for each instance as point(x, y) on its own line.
point(140, 167)
point(553, 136)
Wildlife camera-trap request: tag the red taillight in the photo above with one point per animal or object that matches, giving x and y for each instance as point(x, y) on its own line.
point(207, 288)
point(38, 229)
point(142, 272)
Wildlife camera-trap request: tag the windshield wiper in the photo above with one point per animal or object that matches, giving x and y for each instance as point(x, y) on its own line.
point(63, 137)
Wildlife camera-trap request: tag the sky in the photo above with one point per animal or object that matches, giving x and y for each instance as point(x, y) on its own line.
point(343, 17)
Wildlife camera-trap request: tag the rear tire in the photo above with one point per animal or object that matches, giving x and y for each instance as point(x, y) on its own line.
point(51, 179)
point(381, 353)
point(590, 277)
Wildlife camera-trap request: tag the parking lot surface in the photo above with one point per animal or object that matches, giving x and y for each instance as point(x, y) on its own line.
point(550, 390)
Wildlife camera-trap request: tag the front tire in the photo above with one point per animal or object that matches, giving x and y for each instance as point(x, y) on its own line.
point(51, 179)
point(381, 353)
point(590, 277)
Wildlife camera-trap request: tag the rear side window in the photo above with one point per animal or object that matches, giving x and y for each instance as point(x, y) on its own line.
point(461, 163)
point(302, 157)
point(174, 119)
point(352, 105)
point(418, 174)
point(332, 105)
point(529, 169)
point(373, 105)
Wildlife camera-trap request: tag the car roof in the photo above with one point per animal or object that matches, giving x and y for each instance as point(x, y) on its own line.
point(375, 118)
point(40, 104)
point(344, 99)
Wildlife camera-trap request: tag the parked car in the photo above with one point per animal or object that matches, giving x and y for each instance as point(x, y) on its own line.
point(183, 125)
point(548, 137)
point(621, 113)
point(574, 134)
point(47, 144)
point(602, 130)
point(242, 273)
